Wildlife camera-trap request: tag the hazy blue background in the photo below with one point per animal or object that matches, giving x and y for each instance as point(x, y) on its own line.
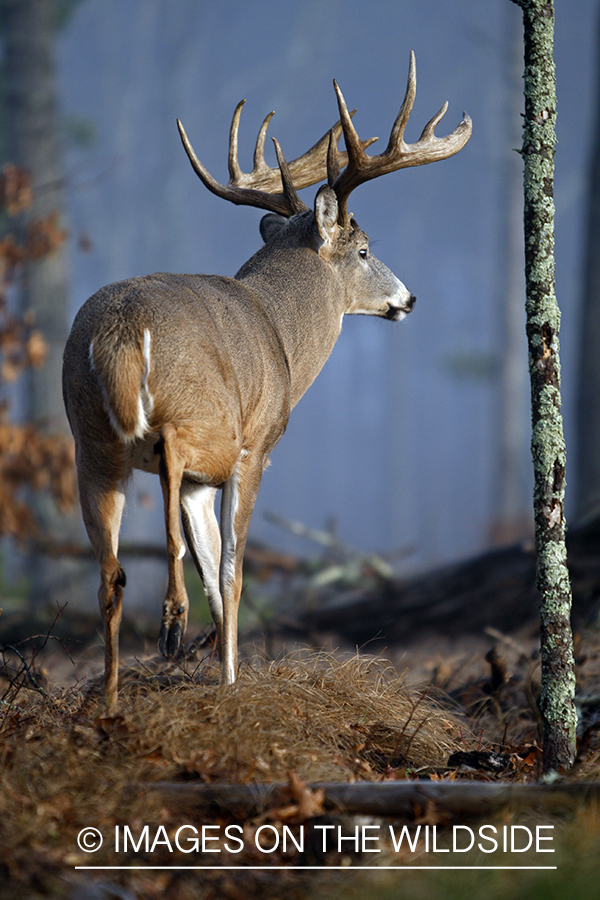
point(398, 438)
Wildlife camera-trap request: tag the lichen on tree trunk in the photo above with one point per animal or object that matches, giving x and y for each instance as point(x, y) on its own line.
point(547, 445)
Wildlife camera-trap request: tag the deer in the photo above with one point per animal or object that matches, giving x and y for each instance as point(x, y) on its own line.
point(193, 377)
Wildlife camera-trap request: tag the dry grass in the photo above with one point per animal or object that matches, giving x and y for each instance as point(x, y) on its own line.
point(326, 718)
point(64, 763)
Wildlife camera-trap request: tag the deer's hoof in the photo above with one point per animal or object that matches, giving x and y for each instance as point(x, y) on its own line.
point(169, 640)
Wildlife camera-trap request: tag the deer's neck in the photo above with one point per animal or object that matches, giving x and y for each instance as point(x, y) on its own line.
point(301, 296)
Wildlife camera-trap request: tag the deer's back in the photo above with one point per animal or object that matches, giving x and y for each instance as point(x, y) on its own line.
point(200, 346)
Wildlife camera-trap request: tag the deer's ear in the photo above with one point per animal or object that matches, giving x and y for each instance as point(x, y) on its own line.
point(326, 214)
point(270, 226)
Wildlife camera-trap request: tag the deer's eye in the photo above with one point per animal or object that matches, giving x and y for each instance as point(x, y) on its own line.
point(363, 253)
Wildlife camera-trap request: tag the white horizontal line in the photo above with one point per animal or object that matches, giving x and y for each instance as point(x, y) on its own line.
point(322, 868)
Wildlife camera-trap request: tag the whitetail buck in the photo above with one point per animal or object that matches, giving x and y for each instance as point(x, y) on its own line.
point(193, 377)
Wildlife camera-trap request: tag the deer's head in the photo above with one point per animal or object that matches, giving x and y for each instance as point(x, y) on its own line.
point(329, 229)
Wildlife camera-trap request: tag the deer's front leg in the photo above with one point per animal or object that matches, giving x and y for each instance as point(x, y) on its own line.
point(237, 503)
point(175, 606)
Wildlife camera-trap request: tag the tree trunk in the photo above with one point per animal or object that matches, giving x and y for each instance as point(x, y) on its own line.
point(33, 143)
point(547, 445)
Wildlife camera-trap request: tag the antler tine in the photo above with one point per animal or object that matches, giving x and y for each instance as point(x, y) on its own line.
point(355, 157)
point(260, 163)
point(333, 161)
point(399, 126)
point(428, 131)
point(289, 190)
point(197, 166)
point(354, 146)
point(398, 154)
point(234, 167)
point(344, 182)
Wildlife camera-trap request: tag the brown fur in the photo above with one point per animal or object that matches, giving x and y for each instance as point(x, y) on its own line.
point(225, 362)
point(119, 369)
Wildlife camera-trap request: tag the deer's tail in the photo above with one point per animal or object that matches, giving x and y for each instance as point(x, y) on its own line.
point(122, 369)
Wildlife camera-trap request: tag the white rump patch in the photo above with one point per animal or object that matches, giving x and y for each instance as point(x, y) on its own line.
point(145, 399)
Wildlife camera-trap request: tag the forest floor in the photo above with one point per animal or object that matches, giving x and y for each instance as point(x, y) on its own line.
point(433, 710)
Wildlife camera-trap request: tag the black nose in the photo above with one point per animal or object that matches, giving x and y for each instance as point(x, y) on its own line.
point(410, 303)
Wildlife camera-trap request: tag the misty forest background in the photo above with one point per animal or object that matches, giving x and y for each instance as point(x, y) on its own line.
point(414, 442)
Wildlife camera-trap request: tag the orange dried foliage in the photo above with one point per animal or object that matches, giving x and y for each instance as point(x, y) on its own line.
point(29, 460)
point(44, 236)
point(15, 189)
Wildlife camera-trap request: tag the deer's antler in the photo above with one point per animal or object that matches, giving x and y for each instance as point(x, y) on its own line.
point(270, 188)
point(397, 155)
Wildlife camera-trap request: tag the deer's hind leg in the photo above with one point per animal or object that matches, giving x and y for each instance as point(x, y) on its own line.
point(237, 503)
point(102, 502)
point(204, 541)
point(175, 606)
